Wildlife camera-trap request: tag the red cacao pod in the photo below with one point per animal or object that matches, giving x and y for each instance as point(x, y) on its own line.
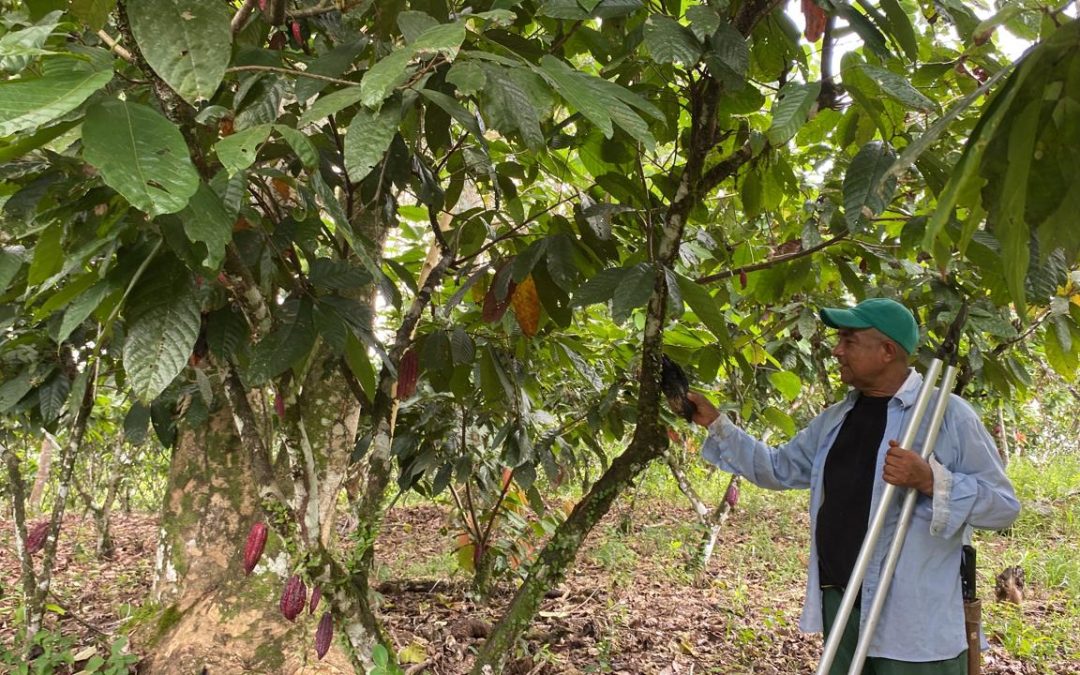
point(297, 34)
point(323, 634)
point(815, 20)
point(35, 539)
point(253, 547)
point(408, 372)
point(293, 598)
point(493, 307)
point(526, 304)
point(732, 495)
point(316, 595)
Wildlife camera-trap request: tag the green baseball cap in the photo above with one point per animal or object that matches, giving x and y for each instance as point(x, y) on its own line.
point(888, 316)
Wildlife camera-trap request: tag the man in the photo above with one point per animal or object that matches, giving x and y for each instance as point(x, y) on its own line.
point(840, 456)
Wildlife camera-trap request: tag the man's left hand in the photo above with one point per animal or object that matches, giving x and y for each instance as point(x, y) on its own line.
point(905, 468)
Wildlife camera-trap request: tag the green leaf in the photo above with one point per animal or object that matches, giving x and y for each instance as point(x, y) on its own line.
point(1061, 357)
point(303, 147)
point(52, 396)
point(93, 13)
point(462, 349)
point(600, 288)
point(467, 76)
point(704, 20)
point(27, 103)
point(367, 139)
point(356, 356)
point(137, 423)
point(385, 76)
point(706, 309)
point(48, 255)
point(19, 47)
point(457, 111)
point(899, 88)
point(1009, 225)
point(790, 110)
point(11, 261)
point(160, 340)
point(787, 383)
point(188, 43)
point(81, 308)
point(413, 24)
point(511, 106)
point(141, 155)
point(238, 151)
point(780, 419)
point(13, 390)
point(901, 29)
point(443, 39)
point(633, 291)
point(330, 104)
point(287, 343)
point(668, 41)
point(570, 85)
point(865, 196)
point(206, 220)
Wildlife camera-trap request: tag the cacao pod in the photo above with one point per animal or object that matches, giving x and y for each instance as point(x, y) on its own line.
point(526, 304)
point(493, 307)
point(323, 634)
point(316, 595)
point(279, 405)
point(35, 539)
point(742, 278)
point(253, 547)
point(815, 20)
point(293, 598)
point(732, 494)
point(408, 372)
point(297, 34)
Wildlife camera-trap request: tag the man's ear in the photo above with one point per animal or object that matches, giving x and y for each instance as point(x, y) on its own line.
point(892, 350)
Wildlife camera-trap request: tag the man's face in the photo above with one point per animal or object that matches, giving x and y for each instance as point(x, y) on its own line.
point(862, 356)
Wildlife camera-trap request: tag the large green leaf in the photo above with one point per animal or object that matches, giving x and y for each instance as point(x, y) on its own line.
point(576, 91)
point(385, 76)
point(206, 220)
point(286, 344)
point(1010, 228)
point(367, 139)
point(48, 255)
point(600, 288)
point(238, 151)
point(330, 104)
point(668, 41)
point(160, 340)
point(787, 383)
point(899, 88)
point(790, 110)
point(141, 155)
point(865, 193)
point(92, 12)
point(27, 103)
point(187, 42)
point(19, 47)
point(706, 309)
point(12, 391)
point(81, 308)
point(633, 291)
point(511, 108)
point(11, 260)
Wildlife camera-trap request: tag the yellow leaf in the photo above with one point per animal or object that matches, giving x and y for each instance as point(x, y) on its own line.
point(414, 653)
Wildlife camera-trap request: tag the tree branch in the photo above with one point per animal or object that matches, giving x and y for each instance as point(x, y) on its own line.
point(765, 264)
point(290, 71)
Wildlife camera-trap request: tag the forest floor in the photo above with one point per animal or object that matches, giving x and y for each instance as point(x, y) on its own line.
point(629, 606)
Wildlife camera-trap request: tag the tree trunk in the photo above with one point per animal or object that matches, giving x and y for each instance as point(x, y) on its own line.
point(212, 616)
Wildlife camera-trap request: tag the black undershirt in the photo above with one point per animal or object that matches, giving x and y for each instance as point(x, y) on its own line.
point(848, 487)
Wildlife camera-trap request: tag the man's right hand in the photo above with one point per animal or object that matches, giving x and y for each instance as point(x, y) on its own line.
point(705, 413)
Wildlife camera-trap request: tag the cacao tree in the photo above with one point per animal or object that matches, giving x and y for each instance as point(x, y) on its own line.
point(337, 251)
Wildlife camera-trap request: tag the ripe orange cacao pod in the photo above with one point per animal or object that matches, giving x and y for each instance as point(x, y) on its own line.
point(408, 372)
point(323, 634)
point(316, 595)
point(526, 304)
point(253, 547)
point(293, 598)
point(35, 538)
point(493, 307)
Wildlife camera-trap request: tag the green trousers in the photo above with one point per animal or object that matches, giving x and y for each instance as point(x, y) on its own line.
point(831, 598)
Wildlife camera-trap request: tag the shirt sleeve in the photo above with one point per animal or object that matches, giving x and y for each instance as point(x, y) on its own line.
point(784, 467)
point(970, 485)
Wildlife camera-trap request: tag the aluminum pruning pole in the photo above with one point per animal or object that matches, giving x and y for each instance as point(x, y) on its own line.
point(907, 438)
point(866, 632)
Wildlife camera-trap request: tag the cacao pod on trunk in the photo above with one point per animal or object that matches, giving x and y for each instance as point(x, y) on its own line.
point(35, 539)
point(408, 372)
point(526, 303)
point(815, 20)
point(253, 548)
point(732, 495)
point(293, 598)
point(316, 595)
point(323, 634)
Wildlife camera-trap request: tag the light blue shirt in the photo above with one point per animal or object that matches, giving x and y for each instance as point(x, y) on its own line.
point(923, 616)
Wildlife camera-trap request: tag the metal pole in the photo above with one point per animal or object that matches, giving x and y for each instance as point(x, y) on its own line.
point(866, 633)
point(907, 438)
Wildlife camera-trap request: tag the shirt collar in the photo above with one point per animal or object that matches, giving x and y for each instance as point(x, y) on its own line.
point(906, 394)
